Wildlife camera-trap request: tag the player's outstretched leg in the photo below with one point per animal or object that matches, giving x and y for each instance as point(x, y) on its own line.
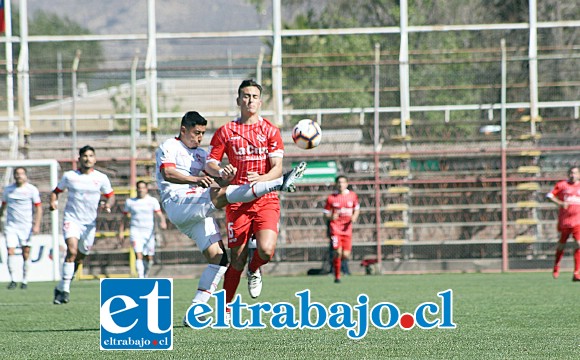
point(291, 176)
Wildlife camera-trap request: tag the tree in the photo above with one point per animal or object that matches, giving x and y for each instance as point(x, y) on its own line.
point(43, 56)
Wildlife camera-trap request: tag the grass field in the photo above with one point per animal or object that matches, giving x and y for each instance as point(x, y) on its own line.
point(498, 316)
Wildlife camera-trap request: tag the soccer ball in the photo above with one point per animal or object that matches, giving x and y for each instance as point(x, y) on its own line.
point(307, 134)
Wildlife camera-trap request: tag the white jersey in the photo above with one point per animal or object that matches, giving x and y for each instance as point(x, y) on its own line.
point(19, 201)
point(173, 153)
point(84, 194)
point(142, 211)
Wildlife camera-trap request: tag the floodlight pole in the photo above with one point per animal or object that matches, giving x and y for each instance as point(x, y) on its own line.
point(504, 210)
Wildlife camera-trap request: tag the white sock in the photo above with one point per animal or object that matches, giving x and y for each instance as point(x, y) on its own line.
point(140, 268)
point(11, 265)
point(68, 271)
point(25, 268)
point(208, 283)
point(148, 265)
point(247, 193)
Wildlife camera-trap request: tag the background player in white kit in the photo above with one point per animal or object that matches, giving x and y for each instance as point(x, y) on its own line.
point(142, 211)
point(21, 200)
point(189, 200)
point(85, 186)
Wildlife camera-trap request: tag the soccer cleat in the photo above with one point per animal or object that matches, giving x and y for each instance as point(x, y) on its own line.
point(228, 318)
point(11, 286)
point(556, 272)
point(337, 281)
point(254, 283)
point(291, 176)
point(24, 286)
point(57, 297)
point(576, 277)
point(65, 297)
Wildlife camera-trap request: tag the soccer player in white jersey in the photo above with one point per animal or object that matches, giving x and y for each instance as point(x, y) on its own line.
point(85, 187)
point(189, 200)
point(21, 200)
point(142, 211)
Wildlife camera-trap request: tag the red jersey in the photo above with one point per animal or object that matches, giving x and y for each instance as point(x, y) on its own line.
point(570, 193)
point(248, 147)
point(344, 205)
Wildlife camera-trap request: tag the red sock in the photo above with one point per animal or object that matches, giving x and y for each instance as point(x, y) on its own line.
point(577, 261)
point(256, 262)
point(231, 282)
point(559, 255)
point(336, 262)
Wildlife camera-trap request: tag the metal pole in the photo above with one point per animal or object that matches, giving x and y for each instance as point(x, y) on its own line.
point(133, 127)
point(151, 66)
point(23, 73)
point(404, 69)
point(504, 210)
point(533, 55)
point(73, 119)
point(277, 63)
point(12, 129)
point(376, 157)
point(259, 66)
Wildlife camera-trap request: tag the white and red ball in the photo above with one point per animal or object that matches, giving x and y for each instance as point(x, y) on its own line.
point(307, 134)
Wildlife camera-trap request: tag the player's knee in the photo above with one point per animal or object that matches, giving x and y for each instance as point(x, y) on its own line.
point(267, 253)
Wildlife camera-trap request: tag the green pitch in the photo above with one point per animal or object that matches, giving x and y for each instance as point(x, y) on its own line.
point(500, 316)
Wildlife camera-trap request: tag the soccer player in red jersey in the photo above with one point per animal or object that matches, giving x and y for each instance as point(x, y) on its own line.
point(254, 146)
point(341, 211)
point(566, 194)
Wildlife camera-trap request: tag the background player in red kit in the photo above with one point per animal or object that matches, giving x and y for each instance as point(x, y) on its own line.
point(254, 146)
point(341, 211)
point(566, 194)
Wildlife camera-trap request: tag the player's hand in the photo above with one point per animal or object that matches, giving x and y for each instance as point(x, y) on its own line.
point(228, 172)
point(53, 205)
point(565, 204)
point(253, 177)
point(335, 216)
point(204, 181)
point(36, 230)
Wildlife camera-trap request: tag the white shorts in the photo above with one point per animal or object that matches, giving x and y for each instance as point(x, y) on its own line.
point(17, 237)
point(84, 233)
point(143, 241)
point(190, 212)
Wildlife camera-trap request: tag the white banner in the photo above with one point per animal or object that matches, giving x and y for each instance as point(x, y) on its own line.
point(41, 266)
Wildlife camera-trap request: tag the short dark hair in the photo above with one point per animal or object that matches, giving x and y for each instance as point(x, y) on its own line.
point(140, 182)
point(86, 148)
point(340, 177)
point(249, 82)
point(192, 118)
point(18, 168)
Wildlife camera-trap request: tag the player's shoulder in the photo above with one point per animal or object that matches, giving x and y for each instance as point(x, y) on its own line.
point(170, 142)
point(267, 124)
point(98, 173)
point(31, 187)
